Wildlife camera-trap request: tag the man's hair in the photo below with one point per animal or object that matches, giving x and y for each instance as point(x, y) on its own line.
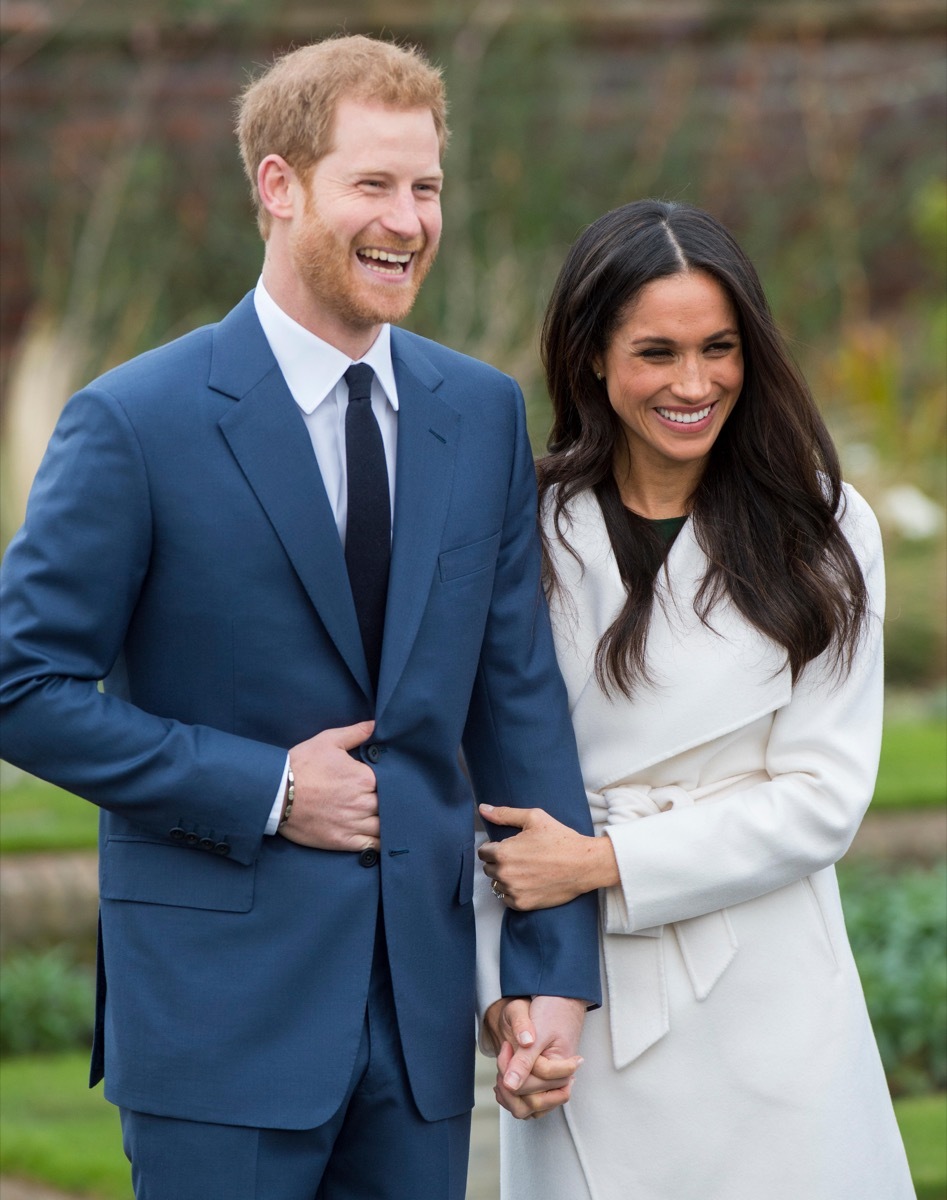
point(290, 109)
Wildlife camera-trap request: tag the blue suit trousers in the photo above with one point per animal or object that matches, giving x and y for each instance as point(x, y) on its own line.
point(375, 1147)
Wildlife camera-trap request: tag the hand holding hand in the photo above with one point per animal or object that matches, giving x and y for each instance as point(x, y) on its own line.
point(336, 802)
point(536, 1052)
point(546, 863)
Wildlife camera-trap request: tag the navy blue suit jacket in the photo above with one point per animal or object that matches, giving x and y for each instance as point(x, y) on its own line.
point(180, 546)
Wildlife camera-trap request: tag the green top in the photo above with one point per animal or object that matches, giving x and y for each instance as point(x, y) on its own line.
point(667, 528)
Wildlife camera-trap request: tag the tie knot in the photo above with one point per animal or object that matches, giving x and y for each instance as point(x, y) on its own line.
point(359, 379)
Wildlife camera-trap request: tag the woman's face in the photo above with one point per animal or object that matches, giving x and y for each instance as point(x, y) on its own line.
point(674, 371)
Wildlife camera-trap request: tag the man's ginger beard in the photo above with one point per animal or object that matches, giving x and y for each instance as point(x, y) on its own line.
point(330, 273)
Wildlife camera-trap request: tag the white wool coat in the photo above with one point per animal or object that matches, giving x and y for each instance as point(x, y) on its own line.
point(733, 1057)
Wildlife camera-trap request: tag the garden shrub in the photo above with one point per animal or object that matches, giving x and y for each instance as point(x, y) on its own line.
point(897, 924)
point(47, 1003)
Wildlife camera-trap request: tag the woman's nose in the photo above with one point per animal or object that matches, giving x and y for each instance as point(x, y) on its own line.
point(692, 382)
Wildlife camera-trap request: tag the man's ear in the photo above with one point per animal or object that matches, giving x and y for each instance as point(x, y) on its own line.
point(276, 182)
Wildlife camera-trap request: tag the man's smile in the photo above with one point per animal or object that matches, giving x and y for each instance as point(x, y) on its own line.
point(385, 262)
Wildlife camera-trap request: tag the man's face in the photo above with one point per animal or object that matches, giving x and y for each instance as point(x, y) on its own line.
point(371, 218)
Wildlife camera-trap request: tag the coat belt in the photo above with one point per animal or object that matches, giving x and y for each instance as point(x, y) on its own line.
point(636, 982)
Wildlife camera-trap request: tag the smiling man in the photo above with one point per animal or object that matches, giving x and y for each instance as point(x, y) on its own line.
point(299, 549)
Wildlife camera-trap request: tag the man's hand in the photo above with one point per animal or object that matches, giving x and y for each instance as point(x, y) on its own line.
point(336, 802)
point(537, 1055)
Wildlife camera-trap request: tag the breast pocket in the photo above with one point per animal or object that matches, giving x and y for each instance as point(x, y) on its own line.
point(469, 559)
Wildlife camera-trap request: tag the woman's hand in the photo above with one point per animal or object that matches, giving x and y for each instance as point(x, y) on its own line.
point(546, 863)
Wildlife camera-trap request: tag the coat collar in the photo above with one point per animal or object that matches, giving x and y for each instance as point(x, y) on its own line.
point(268, 437)
point(743, 671)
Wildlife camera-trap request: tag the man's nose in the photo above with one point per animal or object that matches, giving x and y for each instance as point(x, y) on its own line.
point(401, 215)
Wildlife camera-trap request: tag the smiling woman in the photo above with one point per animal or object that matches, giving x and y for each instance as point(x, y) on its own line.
point(673, 371)
point(717, 596)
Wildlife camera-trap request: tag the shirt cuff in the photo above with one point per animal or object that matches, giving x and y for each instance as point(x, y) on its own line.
point(276, 811)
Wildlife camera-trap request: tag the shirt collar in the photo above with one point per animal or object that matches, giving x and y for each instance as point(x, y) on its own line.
point(311, 366)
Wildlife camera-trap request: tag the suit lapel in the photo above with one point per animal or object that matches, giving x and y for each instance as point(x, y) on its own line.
point(427, 438)
point(269, 440)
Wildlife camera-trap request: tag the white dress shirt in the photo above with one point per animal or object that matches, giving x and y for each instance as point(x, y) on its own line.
point(314, 372)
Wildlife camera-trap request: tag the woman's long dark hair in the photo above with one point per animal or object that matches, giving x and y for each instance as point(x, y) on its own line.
point(765, 510)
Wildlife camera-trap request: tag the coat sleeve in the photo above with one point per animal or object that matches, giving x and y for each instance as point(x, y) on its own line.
point(69, 585)
point(520, 748)
point(821, 759)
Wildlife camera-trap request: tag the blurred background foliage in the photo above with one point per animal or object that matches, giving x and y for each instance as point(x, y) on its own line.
point(815, 131)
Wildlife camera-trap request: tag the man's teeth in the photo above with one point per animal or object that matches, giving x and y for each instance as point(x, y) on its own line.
point(685, 418)
point(386, 256)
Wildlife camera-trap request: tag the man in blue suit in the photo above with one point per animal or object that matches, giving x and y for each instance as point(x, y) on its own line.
point(286, 1004)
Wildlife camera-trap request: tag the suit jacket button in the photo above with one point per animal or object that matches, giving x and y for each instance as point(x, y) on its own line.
point(222, 848)
point(177, 833)
point(373, 753)
point(207, 843)
point(368, 858)
point(191, 839)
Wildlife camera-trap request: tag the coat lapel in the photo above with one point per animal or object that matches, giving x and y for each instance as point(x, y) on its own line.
point(738, 666)
point(427, 441)
point(268, 438)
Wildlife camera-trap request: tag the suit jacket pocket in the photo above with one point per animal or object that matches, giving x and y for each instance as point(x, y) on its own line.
point(465, 883)
point(152, 872)
point(467, 560)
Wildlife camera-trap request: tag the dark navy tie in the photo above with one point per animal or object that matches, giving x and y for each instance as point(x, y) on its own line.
point(368, 531)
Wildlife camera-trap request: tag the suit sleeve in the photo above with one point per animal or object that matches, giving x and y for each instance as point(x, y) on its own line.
point(520, 747)
point(69, 585)
point(822, 760)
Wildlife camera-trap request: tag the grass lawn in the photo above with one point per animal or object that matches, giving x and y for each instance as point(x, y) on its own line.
point(913, 771)
point(923, 1121)
point(53, 1129)
point(37, 816)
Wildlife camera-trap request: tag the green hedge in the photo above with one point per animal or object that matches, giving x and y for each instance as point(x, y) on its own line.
point(897, 924)
point(46, 1003)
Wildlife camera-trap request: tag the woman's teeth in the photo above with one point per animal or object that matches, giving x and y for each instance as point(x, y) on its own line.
point(685, 418)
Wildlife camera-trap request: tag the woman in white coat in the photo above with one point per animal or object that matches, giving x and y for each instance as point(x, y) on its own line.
point(717, 596)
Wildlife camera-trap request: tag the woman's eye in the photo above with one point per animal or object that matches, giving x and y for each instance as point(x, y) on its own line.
point(720, 347)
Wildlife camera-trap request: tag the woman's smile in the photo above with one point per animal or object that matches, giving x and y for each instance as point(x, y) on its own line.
point(674, 371)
